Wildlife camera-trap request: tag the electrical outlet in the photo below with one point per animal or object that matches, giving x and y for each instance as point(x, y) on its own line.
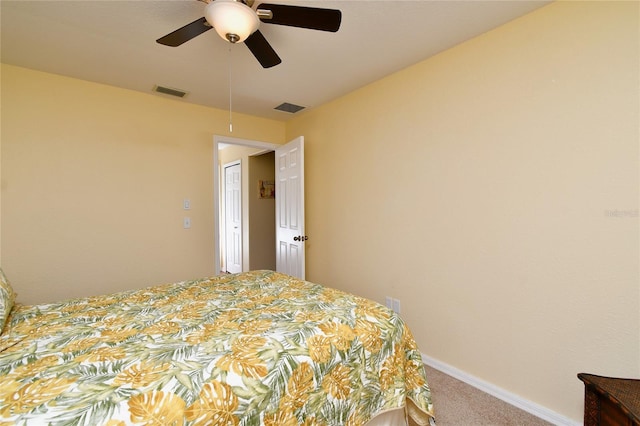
point(388, 302)
point(396, 306)
point(393, 304)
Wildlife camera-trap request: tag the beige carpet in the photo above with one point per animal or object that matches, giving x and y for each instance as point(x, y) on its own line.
point(459, 404)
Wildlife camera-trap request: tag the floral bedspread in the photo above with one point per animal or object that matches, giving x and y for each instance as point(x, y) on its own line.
point(257, 348)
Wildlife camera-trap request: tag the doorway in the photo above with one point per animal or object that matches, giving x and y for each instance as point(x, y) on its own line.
point(257, 148)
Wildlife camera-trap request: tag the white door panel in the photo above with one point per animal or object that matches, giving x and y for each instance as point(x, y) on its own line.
point(233, 218)
point(290, 236)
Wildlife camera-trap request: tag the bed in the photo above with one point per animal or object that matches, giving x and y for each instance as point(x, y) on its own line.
point(255, 348)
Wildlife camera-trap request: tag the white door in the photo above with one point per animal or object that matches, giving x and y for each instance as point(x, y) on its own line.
point(233, 218)
point(290, 236)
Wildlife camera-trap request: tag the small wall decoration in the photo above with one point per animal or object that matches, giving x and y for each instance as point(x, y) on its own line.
point(266, 189)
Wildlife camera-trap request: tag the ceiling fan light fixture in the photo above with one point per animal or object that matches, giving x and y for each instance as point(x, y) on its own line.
point(233, 20)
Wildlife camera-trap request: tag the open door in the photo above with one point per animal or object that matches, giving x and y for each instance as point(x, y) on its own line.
point(290, 236)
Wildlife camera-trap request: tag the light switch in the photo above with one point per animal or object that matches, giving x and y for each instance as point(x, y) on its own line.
point(186, 223)
point(187, 204)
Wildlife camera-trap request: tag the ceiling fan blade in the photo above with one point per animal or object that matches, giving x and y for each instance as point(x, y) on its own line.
point(303, 17)
point(186, 33)
point(262, 50)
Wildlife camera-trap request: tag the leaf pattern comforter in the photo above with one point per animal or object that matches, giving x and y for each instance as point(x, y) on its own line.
point(256, 348)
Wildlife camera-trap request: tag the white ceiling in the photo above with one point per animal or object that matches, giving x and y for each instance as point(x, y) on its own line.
point(113, 42)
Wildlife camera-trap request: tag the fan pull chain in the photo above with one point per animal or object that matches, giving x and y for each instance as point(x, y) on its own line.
point(230, 101)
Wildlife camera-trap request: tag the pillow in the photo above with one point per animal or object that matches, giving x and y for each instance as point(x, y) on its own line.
point(7, 298)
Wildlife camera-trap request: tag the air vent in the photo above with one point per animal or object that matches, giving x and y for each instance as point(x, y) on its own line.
point(287, 107)
point(169, 91)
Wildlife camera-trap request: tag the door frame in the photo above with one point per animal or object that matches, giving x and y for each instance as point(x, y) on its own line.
point(217, 170)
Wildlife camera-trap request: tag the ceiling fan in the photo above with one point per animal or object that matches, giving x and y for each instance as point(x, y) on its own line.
point(236, 22)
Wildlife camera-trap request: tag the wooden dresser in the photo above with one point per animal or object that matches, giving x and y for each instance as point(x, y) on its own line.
point(610, 401)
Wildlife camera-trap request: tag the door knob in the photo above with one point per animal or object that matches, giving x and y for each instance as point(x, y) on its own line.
point(300, 238)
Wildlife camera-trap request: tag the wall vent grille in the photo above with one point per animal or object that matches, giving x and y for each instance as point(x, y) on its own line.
point(287, 107)
point(169, 91)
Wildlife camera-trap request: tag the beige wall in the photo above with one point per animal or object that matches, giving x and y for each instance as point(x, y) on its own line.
point(262, 214)
point(493, 189)
point(93, 180)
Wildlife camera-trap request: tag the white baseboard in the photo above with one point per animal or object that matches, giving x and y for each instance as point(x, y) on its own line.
point(523, 404)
